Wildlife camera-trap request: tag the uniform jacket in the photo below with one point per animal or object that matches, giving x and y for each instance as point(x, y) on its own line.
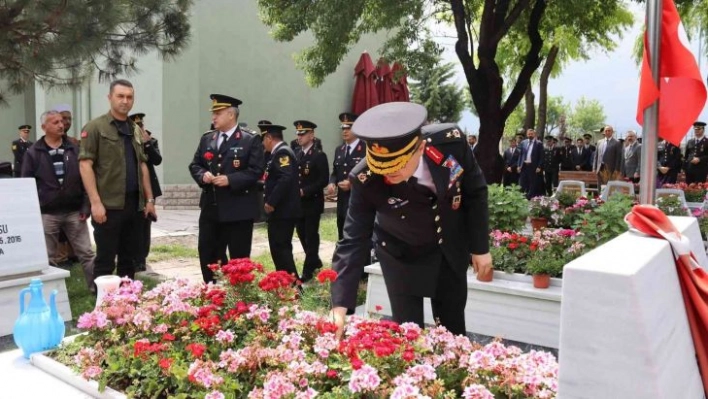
point(632, 160)
point(536, 154)
point(612, 157)
point(343, 165)
point(19, 147)
point(670, 156)
point(566, 154)
point(551, 158)
point(314, 175)
point(412, 232)
point(697, 148)
point(282, 191)
point(53, 196)
point(241, 160)
point(154, 158)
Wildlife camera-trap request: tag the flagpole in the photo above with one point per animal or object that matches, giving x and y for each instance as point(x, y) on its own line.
point(650, 136)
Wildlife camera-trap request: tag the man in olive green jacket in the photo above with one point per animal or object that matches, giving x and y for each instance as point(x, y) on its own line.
point(117, 182)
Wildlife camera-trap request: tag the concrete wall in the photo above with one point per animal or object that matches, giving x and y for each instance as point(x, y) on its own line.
point(232, 53)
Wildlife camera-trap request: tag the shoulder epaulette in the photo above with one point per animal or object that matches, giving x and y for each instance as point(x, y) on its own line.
point(208, 132)
point(361, 172)
point(443, 136)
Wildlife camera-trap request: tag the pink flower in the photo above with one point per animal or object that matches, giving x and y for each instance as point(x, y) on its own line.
point(96, 319)
point(214, 395)
point(476, 391)
point(366, 378)
point(225, 336)
point(92, 372)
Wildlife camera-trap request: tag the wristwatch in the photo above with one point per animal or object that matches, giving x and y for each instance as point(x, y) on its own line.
point(151, 200)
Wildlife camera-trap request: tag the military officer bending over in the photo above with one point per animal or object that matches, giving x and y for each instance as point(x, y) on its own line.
point(422, 194)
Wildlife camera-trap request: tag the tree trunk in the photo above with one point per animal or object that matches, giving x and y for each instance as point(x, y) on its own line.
point(543, 89)
point(530, 120)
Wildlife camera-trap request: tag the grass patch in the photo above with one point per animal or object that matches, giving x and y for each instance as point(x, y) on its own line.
point(328, 228)
point(81, 299)
point(160, 253)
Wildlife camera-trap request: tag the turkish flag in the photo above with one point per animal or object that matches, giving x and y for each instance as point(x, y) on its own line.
point(681, 91)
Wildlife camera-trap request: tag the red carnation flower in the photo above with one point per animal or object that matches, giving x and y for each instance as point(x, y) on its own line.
point(208, 155)
point(327, 275)
point(197, 350)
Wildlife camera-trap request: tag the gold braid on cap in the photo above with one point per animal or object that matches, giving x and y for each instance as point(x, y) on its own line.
point(400, 158)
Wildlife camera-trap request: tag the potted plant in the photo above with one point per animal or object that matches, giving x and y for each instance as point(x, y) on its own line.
point(671, 205)
point(542, 265)
point(507, 208)
point(541, 209)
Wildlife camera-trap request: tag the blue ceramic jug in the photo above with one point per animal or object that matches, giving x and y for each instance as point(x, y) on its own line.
point(39, 327)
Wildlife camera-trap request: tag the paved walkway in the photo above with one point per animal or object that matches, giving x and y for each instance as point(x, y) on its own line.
point(181, 227)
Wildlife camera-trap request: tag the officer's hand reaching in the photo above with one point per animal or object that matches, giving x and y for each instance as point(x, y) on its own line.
point(207, 178)
point(338, 316)
point(330, 189)
point(482, 264)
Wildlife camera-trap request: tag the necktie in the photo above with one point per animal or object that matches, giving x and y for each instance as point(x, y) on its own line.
point(224, 138)
point(348, 152)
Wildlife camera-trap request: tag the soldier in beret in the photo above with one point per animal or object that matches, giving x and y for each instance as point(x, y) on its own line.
point(314, 175)
point(346, 157)
point(282, 197)
point(696, 160)
point(227, 165)
point(424, 198)
point(19, 147)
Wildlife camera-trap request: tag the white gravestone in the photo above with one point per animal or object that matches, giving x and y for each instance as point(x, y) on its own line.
point(23, 252)
point(624, 331)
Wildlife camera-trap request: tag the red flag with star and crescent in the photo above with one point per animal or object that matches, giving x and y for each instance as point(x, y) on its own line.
point(681, 92)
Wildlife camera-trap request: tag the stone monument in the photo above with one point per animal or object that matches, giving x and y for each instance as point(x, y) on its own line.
point(23, 253)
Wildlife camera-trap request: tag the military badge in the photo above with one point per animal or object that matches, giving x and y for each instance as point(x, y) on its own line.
point(237, 163)
point(456, 133)
point(14, 147)
point(456, 201)
point(362, 177)
point(306, 172)
point(455, 170)
point(434, 154)
point(284, 161)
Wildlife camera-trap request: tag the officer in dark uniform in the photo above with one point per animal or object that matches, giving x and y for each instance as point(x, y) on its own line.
point(296, 146)
point(670, 160)
point(587, 138)
point(511, 161)
point(422, 194)
point(696, 161)
point(282, 197)
point(551, 164)
point(314, 175)
point(19, 147)
point(227, 165)
point(346, 157)
point(567, 154)
point(152, 151)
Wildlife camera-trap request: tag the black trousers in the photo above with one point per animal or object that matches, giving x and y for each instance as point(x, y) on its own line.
point(145, 241)
point(695, 175)
point(280, 241)
point(119, 236)
point(551, 180)
point(448, 303)
point(215, 237)
point(342, 208)
point(308, 231)
point(528, 180)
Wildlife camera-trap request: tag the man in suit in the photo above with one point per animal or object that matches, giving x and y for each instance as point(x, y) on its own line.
point(346, 157)
point(313, 171)
point(551, 164)
point(696, 160)
point(151, 149)
point(580, 156)
point(511, 164)
point(531, 165)
point(424, 197)
point(587, 139)
point(567, 154)
point(19, 147)
point(472, 141)
point(608, 157)
point(281, 197)
point(227, 165)
point(669, 158)
point(632, 157)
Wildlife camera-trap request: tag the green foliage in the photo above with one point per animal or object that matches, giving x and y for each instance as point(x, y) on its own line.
point(509, 261)
point(59, 42)
point(605, 222)
point(545, 262)
point(508, 208)
point(542, 207)
point(555, 111)
point(703, 224)
point(671, 205)
point(444, 100)
point(567, 198)
point(588, 115)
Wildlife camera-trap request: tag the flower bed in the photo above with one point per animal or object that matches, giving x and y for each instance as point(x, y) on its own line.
point(249, 338)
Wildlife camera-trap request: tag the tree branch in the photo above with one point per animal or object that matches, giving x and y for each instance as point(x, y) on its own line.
point(510, 20)
point(531, 62)
point(463, 45)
